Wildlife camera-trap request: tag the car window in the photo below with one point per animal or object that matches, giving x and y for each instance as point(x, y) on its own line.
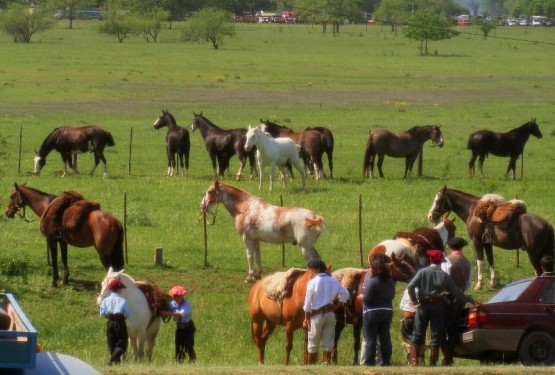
point(548, 295)
point(511, 291)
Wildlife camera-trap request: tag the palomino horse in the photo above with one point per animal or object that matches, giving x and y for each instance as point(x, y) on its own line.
point(408, 145)
point(273, 151)
point(353, 280)
point(313, 142)
point(256, 220)
point(525, 230)
point(222, 144)
point(68, 141)
point(98, 228)
point(143, 323)
point(177, 143)
point(511, 144)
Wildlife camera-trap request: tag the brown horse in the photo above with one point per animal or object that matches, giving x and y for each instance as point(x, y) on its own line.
point(353, 280)
point(99, 229)
point(68, 141)
point(408, 145)
point(511, 144)
point(177, 143)
point(524, 230)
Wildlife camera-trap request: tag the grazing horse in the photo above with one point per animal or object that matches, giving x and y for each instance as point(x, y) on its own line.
point(256, 220)
point(273, 151)
point(524, 230)
point(68, 141)
point(353, 280)
point(177, 143)
point(144, 321)
point(408, 145)
point(511, 144)
point(222, 144)
point(313, 143)
point(94, 228)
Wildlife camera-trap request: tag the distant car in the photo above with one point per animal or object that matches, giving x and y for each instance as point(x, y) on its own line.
point(512, 21)
point(517, 324)
point(523, 22)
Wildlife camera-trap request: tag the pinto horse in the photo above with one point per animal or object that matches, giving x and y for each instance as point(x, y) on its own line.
point(526, 230)
point(273, 151)
point(256, 220)
point(314, 142)
point(511, 144)
point(68, 141)
point(177, 143)
point(99, 229)
point(408, 145)
point(222, 144)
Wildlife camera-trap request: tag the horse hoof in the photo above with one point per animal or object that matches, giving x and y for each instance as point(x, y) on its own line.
point(478, 287)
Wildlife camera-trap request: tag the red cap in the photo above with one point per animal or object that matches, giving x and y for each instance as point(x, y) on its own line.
point(115, 284)
point(178, 291)
point(436, 256)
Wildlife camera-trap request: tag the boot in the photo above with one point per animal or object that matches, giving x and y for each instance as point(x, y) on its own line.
point(192, 356)
point(434, 355)
point(326, 358)
point(414, 355)
point(312, 358)
point(447, 354)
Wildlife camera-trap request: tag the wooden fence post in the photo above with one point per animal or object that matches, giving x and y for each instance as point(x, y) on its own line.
point(20, 143)
point(205, 239)
point(282, 245)
point(125, 226)
point(158, 255)
point(130, 147)
point(360, 228)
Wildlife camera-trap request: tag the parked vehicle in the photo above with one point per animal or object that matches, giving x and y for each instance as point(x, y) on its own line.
point(517, 324)
point(511, 21)
point(463, 20)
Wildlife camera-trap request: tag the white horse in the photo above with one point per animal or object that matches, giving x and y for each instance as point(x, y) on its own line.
point(256, 220)
point(142, 325)
point(273, 151)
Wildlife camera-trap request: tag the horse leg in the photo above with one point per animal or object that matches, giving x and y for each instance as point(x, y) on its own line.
point(261, 167)
point(63, 252)
point(330, 162)
point(96, 162)
point(319, 167)
point(243, 161)
point(479, 250)
point(258, 258)
point(261, 330)
point(380, 163)
point(289, 330)
point(339, 326)
point(511, 167)
point(215, 168)
point(489, 256)
point(186, 163)
point(481, 163)
point(357, 328)
point(272, 171)
point(298, 166)
point(180, 163)
point(73, 163)
point(251, 247)
point(133, 341)
point(52, 245)
point(471, 164)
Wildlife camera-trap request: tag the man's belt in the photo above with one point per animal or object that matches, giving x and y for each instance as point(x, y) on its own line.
point(433, 300)
point(116, 317)
point(322, 310)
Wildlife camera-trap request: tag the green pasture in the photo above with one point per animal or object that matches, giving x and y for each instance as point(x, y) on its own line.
point(365, 78)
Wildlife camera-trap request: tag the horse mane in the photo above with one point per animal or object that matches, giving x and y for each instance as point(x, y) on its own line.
point(423, 239)
point(206, 120)
point(50, 196)
point(157, 299)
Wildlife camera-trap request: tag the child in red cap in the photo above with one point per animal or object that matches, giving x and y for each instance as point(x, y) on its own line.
point(181, 310)
point(116, 310)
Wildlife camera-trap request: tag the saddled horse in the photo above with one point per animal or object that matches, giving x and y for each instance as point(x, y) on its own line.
point(145, 301)
point(222, 144)
point(271, 152)
point(96, 228)
point(510, 144)
point(177, 143)
point(314, 142)
point(524, 230)
point(353, 280)
point(256, 220)
point(69, 141)
point(408, 145)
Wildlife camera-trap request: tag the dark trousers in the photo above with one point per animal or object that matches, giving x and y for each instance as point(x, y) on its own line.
point(116, 335)
point(432, 314)
point(185, 341)
point(377, 323)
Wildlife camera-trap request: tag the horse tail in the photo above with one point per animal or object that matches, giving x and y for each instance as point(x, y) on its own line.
point(316, 223)
point(368, 154)
point(116, 255)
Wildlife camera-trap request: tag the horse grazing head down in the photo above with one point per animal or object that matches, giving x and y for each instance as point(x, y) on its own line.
point(436, 136)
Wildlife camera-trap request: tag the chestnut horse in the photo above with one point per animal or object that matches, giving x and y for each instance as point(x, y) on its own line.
point(99, 229)
point(256, 220)
point(408, 145)
point(68, 141)
point(511, 144)
point(528, 231)
point(177, 143)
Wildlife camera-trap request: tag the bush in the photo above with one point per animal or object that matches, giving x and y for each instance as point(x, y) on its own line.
point(22, 22)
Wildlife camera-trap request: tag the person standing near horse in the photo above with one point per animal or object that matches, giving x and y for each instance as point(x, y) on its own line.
point(379, 291)
point(181, 311)
point(324, 295)
point(433, 284)
point(116, 310)
point(547, 265)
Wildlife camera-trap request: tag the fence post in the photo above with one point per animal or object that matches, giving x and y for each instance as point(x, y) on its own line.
point(158, 255)
point(130, 147)
point(125, 225)
point(205, 239)
point(282, 245)
point(20, 142)
point(360, 228)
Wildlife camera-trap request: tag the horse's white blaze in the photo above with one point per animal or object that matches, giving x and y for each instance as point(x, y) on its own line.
point(37, 165)
point(433, 208)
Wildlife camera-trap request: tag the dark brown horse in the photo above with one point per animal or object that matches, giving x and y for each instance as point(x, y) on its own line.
point(408, 145)
point(69, 141)
point(314, 142)
point(177, 143)
point(222, 144)
point(353, 280)
point(99, 229)
point(510, 144)
point(524, 230)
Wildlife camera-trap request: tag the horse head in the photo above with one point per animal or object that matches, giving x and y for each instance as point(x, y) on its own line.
point(440, 205)
point(196, 118)
point(250, 138)
point(40, 162)
point(104, 290)
point(211, 197)
point(163, 120)
point(534, 128)
point(16, 202)
point(436, 136)
point(401, 270)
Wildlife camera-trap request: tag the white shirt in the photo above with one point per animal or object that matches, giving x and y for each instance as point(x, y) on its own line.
point(322, 290)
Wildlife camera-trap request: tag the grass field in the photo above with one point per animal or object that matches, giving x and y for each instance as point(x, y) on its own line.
point(365, 78)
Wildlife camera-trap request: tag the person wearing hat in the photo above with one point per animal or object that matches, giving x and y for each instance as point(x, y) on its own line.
point(181, 311)
point(324, 295)
point(433, 284)
point(116, 310)
point(547, 264)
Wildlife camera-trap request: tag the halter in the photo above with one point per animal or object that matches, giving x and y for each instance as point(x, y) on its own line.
point(20, 208)
point(210, 212)
point(445, 206)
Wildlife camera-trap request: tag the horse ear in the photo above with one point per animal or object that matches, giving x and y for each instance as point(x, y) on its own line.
point(328, 268)
point(393, 257)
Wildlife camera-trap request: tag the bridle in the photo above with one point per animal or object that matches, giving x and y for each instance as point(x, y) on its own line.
point(400, 267)
point(206, 210)
point(444, 207)
point(18, 207)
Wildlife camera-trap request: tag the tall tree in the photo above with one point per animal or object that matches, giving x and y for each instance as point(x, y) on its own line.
point(394, 12)
point(69, 8)
point(22, 22)
point(425, 25)
point(210, 24)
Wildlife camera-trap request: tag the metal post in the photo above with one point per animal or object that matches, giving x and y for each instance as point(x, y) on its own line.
point(20, 142)
point(205, 239)
point(360, 228)
point(282, 245)
point(130, 147)
point(125, 226)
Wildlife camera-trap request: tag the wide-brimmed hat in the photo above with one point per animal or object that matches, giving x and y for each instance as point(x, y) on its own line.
point(178, 291)
point(457, 243)
point(115, 284)
point(436, 256)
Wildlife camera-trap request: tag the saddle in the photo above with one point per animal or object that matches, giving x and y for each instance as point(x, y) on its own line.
point(280, 285)
point(51, 219)
point(155, 296)
point(492, 208)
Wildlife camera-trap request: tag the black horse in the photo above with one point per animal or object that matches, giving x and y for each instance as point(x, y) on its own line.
point(511, 144)
point(222, 144)
point(177, 143)
point(68, 141)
